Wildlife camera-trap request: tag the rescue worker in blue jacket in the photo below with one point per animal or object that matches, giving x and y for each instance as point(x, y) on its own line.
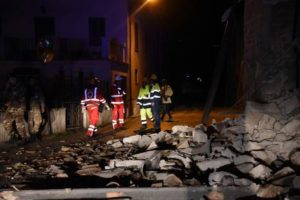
point(155, 95)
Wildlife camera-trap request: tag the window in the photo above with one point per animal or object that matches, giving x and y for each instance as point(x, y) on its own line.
point(136, 37)
point(136, 75)
point(44, 27)
point(96, 30)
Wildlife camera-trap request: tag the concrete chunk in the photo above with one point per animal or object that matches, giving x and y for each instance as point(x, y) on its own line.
point(213, 164)
point(260, 172)
point(132, 139)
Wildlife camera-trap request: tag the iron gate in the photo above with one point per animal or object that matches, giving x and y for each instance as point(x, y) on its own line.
point(73, 115)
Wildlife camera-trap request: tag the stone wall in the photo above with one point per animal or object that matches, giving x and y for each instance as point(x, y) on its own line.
point(269, 57)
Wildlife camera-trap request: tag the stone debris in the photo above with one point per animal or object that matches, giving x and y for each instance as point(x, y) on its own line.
point(258, 150)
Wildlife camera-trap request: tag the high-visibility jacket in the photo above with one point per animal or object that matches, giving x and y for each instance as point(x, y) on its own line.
point(144, 99)
point(155, 92)
point(92, 97)
point(117, 95)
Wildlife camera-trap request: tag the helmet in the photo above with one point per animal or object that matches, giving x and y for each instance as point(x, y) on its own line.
point(93, 79)
point(153, 77)
point(118, 78)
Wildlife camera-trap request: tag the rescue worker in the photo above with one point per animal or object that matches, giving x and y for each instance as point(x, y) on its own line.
point(166, 93)
point(155, 100)
point(144, 103)
point(15, 102)
point(36, 107)
point(91, 100)
point(117, 100)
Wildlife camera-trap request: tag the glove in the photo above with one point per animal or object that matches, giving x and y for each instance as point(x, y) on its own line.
point(107, 106)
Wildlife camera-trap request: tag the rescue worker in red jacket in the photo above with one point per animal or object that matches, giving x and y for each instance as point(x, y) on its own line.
point(91, 100)
point(117, 100)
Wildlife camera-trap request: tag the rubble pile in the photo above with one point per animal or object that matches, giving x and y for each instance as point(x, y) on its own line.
point(259, 150)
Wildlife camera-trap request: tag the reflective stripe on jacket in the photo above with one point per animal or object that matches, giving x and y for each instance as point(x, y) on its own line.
point(143, 99)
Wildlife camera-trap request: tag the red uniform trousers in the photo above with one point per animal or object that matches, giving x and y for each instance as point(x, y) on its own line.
point(118, 116)
point(93, 119)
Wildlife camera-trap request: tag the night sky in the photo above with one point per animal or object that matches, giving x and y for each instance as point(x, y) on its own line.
point(192, 32)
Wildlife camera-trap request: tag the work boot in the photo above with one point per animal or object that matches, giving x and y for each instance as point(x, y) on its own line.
point(143, 127)
point(24, 141)
point(170, 120)
point(157, 130)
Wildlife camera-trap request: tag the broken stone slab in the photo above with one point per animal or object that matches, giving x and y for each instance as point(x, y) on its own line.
point(234, 130)
point(53, 169)
point(184, 144)
point(242, 159)
point(245, 168)
point(227, 153)
point(238, 145)
point(283, 177)
point(65, 148)
point(116, 172)
point(199, 136)
point(153, 162)
point(267, 157)
point(145, 155)
point(144, 142)
point(269, 191)
point(157, 176)
point(126, 163)
point(191, 182)
point(185, 160)
point(181, 129)
point(132, 139)
point(62, 175)
point(213, 164)
point(242, 182)
point(199, 158)
point(260, 172)
point(152, 146)
point(252, 146)
point(203, 149)
point(117, 145)
point(221, 178)
point(295, 157)
point(296, 182)
point(172, 181)
point(157, 185)
point(165, 165)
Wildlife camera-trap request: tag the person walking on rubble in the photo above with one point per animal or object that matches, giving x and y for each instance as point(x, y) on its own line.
point(166, 93)
point(155, 100)
point(91, 100)
point(36, 107)
point(144, 103)
point(14, 95)
point(117, 101)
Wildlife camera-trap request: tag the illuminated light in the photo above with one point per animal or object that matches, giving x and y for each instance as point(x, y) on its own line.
point(199, 79)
